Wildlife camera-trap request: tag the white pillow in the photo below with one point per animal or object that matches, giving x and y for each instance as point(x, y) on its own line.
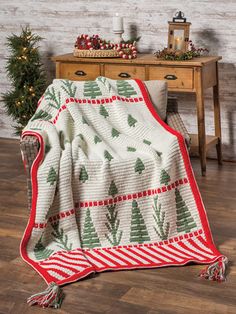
point(158, 94)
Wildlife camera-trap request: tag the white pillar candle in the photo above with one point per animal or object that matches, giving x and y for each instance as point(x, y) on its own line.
point(178, 43)
point(117, 23)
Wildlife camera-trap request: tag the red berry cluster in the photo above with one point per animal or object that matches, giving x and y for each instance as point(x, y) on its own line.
point(86, 42)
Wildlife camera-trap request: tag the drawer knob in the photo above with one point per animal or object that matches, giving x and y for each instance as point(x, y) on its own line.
point(80, 73)
point(124, 75)
point(170, 77)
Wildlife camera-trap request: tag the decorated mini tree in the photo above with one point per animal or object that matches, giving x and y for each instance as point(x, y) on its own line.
point(185, 222)
point(138, 231)
point(125, 89)
point(91, 89)
point(52, 176)
point(139, 166)
point(112, 225)
point(165, 178)
point(28, 79)
point(83, 176)
point(89, 237)
point(112, 189)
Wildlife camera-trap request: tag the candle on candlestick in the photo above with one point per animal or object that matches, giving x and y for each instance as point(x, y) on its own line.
point(118, 23)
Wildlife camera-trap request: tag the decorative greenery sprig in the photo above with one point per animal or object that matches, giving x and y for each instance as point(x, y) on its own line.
point(27, 76)
point(178, 55)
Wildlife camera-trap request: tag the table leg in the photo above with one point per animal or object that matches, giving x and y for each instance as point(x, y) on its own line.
point(201, 120)
point(217, 117)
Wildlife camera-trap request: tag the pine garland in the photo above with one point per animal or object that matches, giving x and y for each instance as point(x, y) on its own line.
point(27, 76)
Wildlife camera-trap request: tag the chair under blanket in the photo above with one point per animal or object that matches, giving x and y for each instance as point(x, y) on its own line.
point(167, 109)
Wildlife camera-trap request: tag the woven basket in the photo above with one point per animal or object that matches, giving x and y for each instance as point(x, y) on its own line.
point(110, 53)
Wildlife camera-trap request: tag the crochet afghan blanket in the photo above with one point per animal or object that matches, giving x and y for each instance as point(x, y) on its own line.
point(112, 185)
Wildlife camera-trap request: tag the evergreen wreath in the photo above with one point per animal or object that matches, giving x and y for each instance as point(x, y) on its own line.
point(178, 55)
point(27, 77)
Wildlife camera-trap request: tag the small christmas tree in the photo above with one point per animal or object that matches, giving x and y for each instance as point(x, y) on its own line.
point(107, 155)
point(138, 231)
point(69, 87)
point(125, 89)
point(91, 89)
point(24, 69)
point(103, 112)
point(89, 237)
point(112, 189)
point(163, 227)
point(139, 166)
point(40, 251)
point(97, 139)
point(60, 237)
point(165, 178)
point(131, 121)
point(52, 176)
point(114, 133)
point(185, 221)
point(112, 225)
point(83, 176)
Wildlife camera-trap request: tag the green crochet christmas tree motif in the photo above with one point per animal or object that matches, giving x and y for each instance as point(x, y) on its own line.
point(103, 112)
point(138, 232)
point(60, 237)
point(69, 87)
point(105, 82)
point(165, 178)
point(131, 149)
point(112, 224)
point(147, 142)
point(89, 237)
point(112, 189)
point(131, 121)
point(42, 115)
point(83, 176)
point(81, 136)
point(97, 139)
point(52, 176)
point(125, 89)
point(84, 121)
point(53, 97)
point(163, 227)
point(40, 251)
point(139, 166)
point(185, 221)
point(47, 148)
point(107, 155)
point(91, 89)
point(115, 133)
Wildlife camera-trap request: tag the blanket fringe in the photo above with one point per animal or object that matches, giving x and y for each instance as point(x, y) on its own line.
point(215, 271)
point(51, 297)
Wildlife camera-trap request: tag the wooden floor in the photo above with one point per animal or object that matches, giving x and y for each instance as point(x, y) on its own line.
point(164, 290)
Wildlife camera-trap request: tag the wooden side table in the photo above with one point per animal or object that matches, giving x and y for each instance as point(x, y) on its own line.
point(193, 76)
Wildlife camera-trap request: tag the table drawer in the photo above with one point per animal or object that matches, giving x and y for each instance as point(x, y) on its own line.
point(177, 78)
point(79, 72)
point(124, 72)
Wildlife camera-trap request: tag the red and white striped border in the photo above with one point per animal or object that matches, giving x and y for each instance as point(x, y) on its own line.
point(192, 247)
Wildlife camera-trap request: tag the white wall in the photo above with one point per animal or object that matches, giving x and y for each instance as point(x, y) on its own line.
point(60, 21)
